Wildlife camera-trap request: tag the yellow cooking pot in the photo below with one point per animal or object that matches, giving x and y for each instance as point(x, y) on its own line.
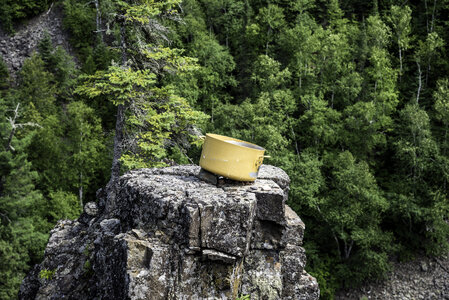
point(231, 158)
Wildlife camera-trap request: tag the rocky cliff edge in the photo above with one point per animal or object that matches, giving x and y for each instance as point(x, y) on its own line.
point(179, 233)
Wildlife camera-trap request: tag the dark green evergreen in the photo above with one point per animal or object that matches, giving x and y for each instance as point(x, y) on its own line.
point(350, 97)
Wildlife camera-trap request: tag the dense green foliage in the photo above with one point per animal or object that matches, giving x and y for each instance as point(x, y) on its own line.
point(14, 11)
point(350, 98)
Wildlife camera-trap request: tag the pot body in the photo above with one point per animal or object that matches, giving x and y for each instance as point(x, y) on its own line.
point(231, 158)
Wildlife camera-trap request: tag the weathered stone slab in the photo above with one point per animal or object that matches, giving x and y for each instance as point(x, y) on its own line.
point(170, 235)
point(293, 263)
point(306, 288)
point(262, 277)
point(294, 228)
point(227, 224)
point(270, 198)
point(276, 174)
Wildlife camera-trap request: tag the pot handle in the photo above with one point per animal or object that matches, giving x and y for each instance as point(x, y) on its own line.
point(202, 137)
point(260, 160)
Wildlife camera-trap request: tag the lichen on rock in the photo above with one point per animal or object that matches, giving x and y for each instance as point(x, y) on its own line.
point(171, 235)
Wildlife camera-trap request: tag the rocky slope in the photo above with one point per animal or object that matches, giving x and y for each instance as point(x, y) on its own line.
point(15, 49)
point(423, 278)
point(178, 233)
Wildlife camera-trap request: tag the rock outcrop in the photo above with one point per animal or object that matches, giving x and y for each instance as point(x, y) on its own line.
point(423, 278)
point(172, 235)
point(15, 49)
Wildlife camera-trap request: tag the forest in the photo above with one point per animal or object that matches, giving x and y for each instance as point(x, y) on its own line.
point(349, 97)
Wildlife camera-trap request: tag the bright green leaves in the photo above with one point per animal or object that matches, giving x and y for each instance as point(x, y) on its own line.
point(320, 124)
point(265, 119)
point(156, 114)
point(308, 181)
point(23, 224)
point(271, 16)
point(364, 128)
point(441, 97)
point(271, 21)
point(163, 118)
point(416, 149)
point(207, 86)
point(267, 74)
point(36, 87)
point(63, 205)
point(142, 11)
point(150, 116)
point(119, 84)
point(418, 201)
point(335, 13)
point(353, 208)
point(378, 34)
point(382, 77)
point(355, 187)
point(428, 49)
point(87, 147)
point(400, 20)
point(383, 89)
point(164, 59)
point(302, 6)
point(441, 106)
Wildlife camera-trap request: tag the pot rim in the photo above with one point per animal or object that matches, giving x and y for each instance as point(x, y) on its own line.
point(223, 138)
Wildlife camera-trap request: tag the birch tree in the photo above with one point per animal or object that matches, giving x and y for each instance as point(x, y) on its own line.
point(400, 18)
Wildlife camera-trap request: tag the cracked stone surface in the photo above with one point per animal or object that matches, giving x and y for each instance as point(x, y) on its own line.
point(171, 235)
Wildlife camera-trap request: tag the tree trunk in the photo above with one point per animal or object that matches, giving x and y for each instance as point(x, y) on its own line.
point(338, 244)
point(348, 248)
point(80, 191)
point(295, 140)
point(118, 137)
point(419, 82)
point(375, 91)
point(268, 40)
point(120, 118)
point(9, 146)
point(427, 19)
point(332, 97)
point(98, 19)
point(433, 15)
point(400, 62)
point(11, 135)
point(445, 149)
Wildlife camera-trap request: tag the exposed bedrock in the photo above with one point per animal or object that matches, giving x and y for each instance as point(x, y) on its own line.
point(169, 234)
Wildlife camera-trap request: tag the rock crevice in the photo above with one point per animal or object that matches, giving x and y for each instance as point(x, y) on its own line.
point(172, 235)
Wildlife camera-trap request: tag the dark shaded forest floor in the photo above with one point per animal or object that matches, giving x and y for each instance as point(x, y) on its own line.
point(421, 278)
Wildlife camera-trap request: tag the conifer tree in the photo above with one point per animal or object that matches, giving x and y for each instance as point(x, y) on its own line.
point(22, 222)
point(156, 112)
